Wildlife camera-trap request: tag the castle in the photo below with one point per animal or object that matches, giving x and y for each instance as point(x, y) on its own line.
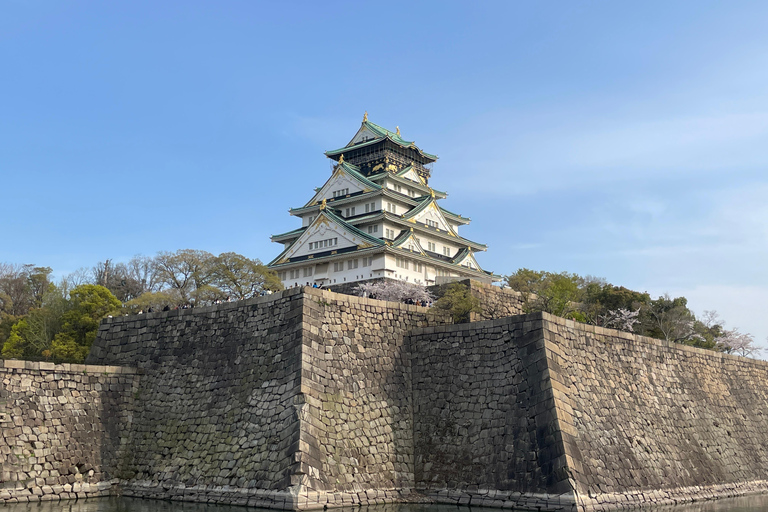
point(377, 217)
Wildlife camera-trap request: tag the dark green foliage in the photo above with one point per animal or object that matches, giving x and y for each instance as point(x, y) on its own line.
point(459, 302)
point(42, 321)
point(89, 304)
point(596, 302)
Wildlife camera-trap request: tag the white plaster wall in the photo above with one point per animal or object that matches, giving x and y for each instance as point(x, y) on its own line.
point(347, 275)
point(383, 266)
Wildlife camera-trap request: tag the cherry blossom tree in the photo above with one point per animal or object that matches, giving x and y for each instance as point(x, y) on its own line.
point(622, 319)
point(395, 291)
point(739, 343)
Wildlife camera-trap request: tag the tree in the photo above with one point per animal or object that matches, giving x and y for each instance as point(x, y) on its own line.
point(599, 299)
point(22, 287)
point(740, 343)
point(74, 279)
point(557, 294)
point(241, 278)
point(622, 319)
point(129, 280)
point(185, 271)
point(459, 302)
point(30, 337)
point(395, 291)
point(39, 279)
point(670, 319)
point(155, 300)
point(89, 304)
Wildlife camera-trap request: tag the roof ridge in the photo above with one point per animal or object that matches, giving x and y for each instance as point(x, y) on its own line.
point(355, 171)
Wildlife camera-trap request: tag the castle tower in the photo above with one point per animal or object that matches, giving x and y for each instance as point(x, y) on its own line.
point(377, 217)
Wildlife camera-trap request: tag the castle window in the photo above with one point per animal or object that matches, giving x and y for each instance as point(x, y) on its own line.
point(341, 192)
point(431, 223)
point(367, 261)
point(446, 251)
point(373, 229)
point(370, 207)
point(418, 267)
point(431, 246)
point(401, 262)
point(389, 233)
point(308, 272)
point(391, 208)
point(322, 244)
point(350, 212)
point(351, 264)
point(338, 266)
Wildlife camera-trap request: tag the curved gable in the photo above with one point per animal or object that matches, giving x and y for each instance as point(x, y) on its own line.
point(430, 214)
point(343, 182)
point(326, 233)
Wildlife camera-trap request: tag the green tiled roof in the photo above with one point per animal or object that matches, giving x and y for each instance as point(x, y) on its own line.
point(460, 255)
point(424, 202)
point(355, 171)
point(297, 232)
point(335, 218)
point(381, 134)
point(448, 212)
point(370, 238)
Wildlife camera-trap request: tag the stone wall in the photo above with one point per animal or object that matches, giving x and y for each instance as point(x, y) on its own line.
point(484, 416)
point(295, 400)
point(644, 420)
point(216, 414)
point(64, 429)
point(356, 381)
point(307, 399)
point(539, 411)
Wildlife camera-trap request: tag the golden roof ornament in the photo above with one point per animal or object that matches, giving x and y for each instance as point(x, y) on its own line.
point(432, 193)
point(323, 204)
point(398, 130)
point(365, 117)
point(341, 159)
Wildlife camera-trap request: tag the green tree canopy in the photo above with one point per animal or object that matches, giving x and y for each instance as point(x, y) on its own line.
point(459, 302)
point(80, 324)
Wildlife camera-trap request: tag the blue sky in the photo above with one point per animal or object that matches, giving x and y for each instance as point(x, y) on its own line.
point(623, 140)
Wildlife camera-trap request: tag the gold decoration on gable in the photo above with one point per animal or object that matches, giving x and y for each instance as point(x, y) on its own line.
point(364, 245)
point(392, 167)
point(341, 159)
point(377, 167)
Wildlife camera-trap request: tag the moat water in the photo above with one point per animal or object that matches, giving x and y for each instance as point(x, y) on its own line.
point(745, 504)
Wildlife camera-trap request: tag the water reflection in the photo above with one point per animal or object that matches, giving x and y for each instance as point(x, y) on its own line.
point(744, 504)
